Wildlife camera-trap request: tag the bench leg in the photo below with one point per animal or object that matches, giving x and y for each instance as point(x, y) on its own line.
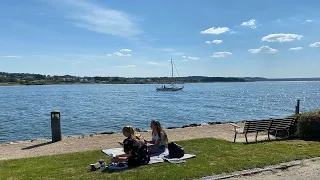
point(235, 137)
point(269, 135)
point(245, 135)
point(257, 136)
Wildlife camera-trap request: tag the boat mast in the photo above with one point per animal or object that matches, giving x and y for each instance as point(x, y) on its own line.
point(172, 72)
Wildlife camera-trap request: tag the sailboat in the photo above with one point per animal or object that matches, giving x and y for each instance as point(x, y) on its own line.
point(172, 86)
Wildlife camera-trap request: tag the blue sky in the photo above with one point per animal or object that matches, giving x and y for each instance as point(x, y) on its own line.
point(134, 38)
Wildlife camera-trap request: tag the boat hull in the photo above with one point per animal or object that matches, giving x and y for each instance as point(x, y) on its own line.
point(169, 89)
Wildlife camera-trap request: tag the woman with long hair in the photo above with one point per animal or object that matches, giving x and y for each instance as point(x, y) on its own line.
point(159, 138)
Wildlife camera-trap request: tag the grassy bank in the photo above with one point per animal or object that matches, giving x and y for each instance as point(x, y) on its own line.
point(213, 157)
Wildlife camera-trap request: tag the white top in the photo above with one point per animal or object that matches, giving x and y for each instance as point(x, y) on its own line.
point(155, 138)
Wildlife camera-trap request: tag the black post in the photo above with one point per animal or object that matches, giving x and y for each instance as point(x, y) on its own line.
point(298, 107)
point(55, 126)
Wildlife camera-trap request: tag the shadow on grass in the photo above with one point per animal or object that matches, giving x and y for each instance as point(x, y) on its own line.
point(107, 170)
point(272, 140)
point(37, 145)
point(284, 139)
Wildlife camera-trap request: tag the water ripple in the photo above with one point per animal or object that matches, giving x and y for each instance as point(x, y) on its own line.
point(25, 110)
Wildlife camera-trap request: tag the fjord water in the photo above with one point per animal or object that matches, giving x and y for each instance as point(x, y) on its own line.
point(25, 110)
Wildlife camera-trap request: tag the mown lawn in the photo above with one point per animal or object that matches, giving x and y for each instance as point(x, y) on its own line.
point(213, 157)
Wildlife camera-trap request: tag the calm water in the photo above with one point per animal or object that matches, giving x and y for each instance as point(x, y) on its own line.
point(25, 110)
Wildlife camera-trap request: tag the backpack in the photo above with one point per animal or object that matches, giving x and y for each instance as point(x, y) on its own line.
point(175, 151)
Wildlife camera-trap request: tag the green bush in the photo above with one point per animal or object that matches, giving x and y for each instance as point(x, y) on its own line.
point(308, 125)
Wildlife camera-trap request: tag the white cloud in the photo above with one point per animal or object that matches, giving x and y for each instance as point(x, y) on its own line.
point(12, 56)
point(295, 49)
point(153, 63)
point(120, 54)
point(281, 37)
point(251, 24)
point(263, 49)
point(125, 50)
point(178, 53)
point(171, 51)
point(127, 66)
point(316, 44)
point(95, 18)
point(166, 49)
point(221, 54)
point(217, 41)
point(190, 58)
point(309, 21)
point(109, 54)
point(213, 30)
point(193, 58)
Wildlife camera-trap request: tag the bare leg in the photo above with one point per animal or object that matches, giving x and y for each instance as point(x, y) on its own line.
point(119, 159)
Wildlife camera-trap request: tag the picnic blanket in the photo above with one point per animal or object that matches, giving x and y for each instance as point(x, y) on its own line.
point(154, 158)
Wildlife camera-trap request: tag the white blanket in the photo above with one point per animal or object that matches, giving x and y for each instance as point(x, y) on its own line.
point(154, 158)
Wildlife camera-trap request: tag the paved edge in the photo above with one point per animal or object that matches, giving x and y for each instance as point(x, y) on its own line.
point(249, 172)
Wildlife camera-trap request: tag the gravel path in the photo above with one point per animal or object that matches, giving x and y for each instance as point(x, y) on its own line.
point(309, 170)
point(41, 147)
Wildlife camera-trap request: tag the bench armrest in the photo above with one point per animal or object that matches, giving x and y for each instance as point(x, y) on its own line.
point(232, 124)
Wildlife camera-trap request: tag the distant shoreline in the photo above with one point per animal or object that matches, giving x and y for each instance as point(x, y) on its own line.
point(18, 84)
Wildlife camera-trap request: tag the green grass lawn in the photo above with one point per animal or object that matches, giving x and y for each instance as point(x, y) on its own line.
point(213, 157)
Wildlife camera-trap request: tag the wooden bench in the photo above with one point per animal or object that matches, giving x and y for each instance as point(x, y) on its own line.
point(269, 125)
point(281, 125)
point(253, 126)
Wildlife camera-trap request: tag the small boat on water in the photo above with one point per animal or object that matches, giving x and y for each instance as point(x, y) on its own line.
point(172, 86)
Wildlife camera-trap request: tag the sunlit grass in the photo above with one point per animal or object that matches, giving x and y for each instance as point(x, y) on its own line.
point(213, 157)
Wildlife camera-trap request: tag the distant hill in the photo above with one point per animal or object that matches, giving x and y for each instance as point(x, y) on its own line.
point(38, 79)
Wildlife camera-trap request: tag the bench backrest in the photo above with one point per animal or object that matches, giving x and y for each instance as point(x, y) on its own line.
point(281, 124)
point(257, 125)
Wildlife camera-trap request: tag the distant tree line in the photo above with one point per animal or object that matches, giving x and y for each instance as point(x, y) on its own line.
point(28, 78)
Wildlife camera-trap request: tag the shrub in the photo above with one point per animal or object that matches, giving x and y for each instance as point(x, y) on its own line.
point(308, 125)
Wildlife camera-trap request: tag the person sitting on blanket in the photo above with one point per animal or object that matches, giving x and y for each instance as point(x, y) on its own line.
point(159, 138)
point(135, 148)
